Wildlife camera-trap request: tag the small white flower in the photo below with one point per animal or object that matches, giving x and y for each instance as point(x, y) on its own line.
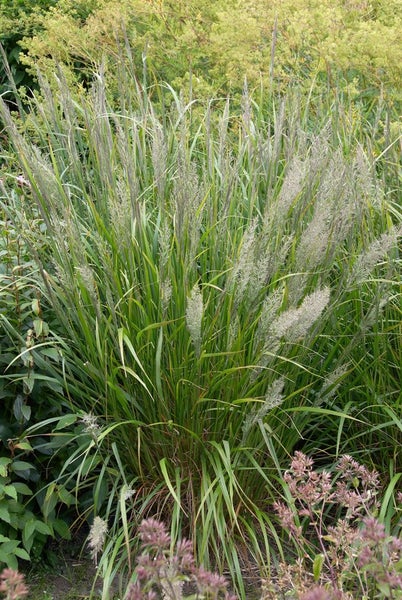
point(91, 425)
point(128, 493)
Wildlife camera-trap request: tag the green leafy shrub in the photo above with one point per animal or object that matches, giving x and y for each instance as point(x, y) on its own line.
point(22, 324)
point(210, 47)
point(27, 355)
point(17, 20)
point(20, 530)
point(28, 392)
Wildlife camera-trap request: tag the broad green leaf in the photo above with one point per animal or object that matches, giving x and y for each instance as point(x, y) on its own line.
point(41, 327)
point(52, 353)
point(50, 501)
point(24, 445)
point(9, 546)
point(29, 382)
point(10, 491)
point(62, 529)
point(317, 566)
point(28, 532)
point(27, 542)
point(66, 421)
point(20, 409)
point(35, 306)
point(65, 496)
point(9, 559)
point(20, 465)
point(4, 463)
point(4, 512)
point(22, 488)
point(26, 411)
point(21, 553)
point(42, 527)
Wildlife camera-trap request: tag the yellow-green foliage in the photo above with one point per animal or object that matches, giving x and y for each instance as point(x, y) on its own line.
point(17, 19)
point(216, 45)
point(295, 38)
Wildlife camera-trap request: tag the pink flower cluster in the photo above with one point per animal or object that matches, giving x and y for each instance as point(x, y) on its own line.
point(331, 515)
point(160, 571)
point(355, 489)
point(12, 584)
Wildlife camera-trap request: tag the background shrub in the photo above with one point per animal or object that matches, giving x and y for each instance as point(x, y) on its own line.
point(18, 18)
point(210, 48)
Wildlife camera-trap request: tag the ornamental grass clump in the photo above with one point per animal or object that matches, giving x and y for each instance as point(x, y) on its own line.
point(343, 551)
point(200, 266)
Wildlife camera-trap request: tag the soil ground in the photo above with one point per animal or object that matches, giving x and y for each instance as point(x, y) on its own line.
point(64, 572)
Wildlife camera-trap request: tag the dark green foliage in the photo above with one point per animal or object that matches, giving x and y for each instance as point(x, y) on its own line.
point(28, 394)
point(17, 20)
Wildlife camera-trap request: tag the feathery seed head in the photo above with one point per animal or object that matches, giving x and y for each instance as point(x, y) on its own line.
point(332, 382)
point(376, 252)
point(244, 267)
point(291, 187)
point(273, 398)
point(97, 536)
point(294, 323)
point(166, 293)
point(159, 156)
point(87, 277)
point(194, 313)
